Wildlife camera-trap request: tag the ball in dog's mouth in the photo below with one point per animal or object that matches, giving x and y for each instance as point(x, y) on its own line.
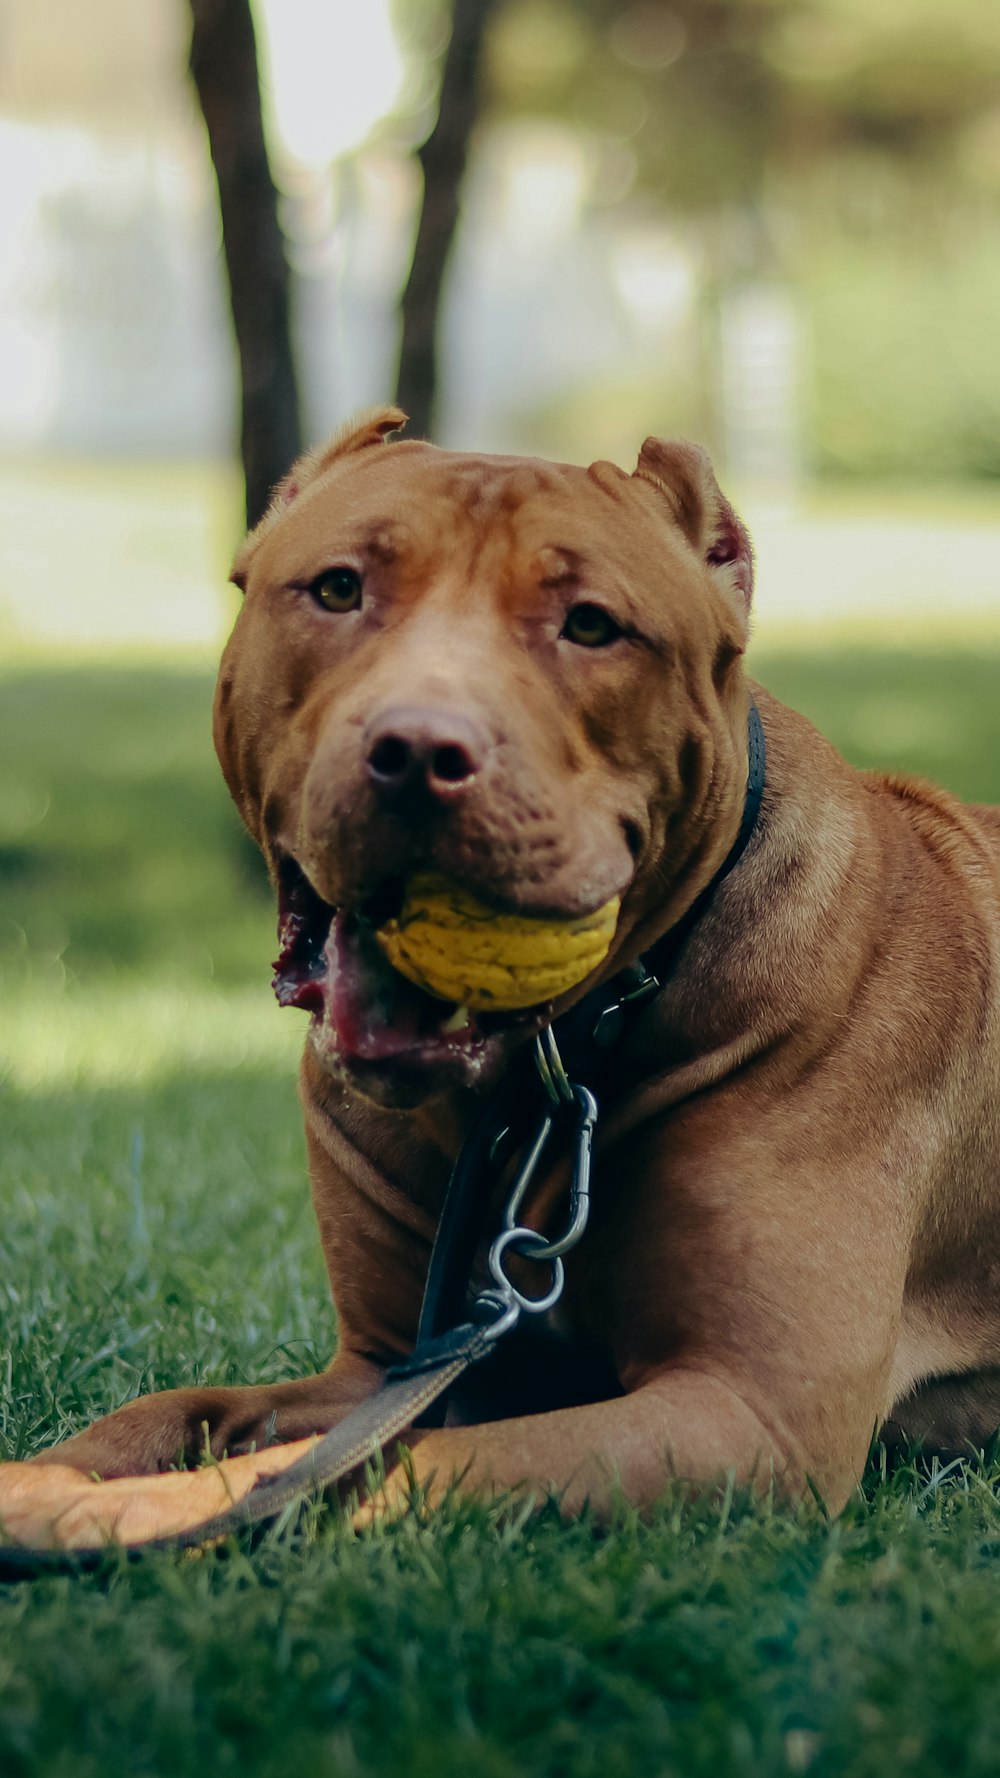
point(456, 946)
point(367, 1017)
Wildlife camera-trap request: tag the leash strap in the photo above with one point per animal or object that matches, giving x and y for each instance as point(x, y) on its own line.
point(459, 1227)
point(415, 1390)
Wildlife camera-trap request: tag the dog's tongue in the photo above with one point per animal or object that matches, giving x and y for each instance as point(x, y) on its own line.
point(374, 1012)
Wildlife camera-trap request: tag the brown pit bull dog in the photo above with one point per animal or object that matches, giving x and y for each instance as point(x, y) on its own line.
point(529, 677)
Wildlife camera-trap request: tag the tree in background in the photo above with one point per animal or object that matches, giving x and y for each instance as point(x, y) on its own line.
point(224, 69)
point(778, 134)
point(721, 102)
point(443, 158)
point(700, 135)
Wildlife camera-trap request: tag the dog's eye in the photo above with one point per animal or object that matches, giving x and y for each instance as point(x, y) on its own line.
point(589, 627)
point(339, 589)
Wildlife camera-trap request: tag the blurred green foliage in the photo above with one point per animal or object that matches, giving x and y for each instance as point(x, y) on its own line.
point(717, 97)
point(903, 372)
point(844, 152)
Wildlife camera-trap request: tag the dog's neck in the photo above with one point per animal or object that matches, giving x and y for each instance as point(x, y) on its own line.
point(763, 956)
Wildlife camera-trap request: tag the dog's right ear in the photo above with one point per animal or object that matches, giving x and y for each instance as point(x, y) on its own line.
point(369, 428)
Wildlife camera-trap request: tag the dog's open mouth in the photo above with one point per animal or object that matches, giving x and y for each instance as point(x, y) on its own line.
point(364, 1012)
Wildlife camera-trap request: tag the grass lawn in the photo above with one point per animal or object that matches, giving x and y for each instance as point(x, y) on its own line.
point(156, 1230)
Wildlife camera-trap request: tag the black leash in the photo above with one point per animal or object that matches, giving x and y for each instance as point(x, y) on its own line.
point(536, 1104)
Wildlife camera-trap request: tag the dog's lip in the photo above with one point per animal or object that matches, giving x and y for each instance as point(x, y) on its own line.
point(364, 1014)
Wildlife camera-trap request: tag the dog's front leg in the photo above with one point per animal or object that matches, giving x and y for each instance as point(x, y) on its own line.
point(157, 1432)
point(683, 1424)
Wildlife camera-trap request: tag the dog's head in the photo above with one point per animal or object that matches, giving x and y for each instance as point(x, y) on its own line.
point(520, 674)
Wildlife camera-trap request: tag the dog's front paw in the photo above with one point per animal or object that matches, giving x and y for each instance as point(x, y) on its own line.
point(180, 1428)
point(172, 1430)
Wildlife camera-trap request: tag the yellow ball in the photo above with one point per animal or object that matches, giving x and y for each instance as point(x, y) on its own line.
point(458, 948)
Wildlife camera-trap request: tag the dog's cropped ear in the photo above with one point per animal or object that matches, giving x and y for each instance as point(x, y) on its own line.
point(683, 472)
point(369, 428)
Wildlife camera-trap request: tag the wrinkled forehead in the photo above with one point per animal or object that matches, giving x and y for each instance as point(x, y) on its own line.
point(493, 486)
point(407, 494)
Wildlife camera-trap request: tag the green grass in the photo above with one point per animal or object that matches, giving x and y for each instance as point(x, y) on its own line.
point(156, 1229)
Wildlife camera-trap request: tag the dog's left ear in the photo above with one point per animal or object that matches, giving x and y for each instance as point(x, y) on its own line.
point(684, 473)
point(369, 428)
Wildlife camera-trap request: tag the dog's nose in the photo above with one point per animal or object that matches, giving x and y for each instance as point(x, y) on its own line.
point(408, 748)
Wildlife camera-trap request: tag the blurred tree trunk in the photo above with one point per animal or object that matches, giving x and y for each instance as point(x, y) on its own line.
point(442, 159)
point(224, 70)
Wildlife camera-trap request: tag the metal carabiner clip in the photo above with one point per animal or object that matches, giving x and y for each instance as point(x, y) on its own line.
point(529, 1242)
